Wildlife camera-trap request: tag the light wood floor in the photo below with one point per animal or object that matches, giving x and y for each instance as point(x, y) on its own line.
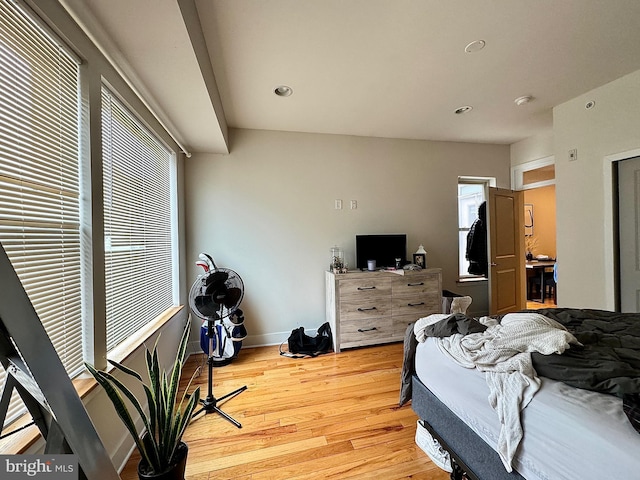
point(548, 303)
point(333, 416)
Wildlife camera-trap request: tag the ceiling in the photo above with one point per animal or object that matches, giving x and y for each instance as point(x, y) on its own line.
point(381, 68)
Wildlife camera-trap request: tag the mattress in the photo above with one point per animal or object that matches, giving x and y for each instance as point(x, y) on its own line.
point(568, 432)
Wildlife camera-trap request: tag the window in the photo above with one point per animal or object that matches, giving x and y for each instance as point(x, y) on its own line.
point(470, 195)
point(39, 178)
point(534, 174)
point(138, 177)
point(45, 225)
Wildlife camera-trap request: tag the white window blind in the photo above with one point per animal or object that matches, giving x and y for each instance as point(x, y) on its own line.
point(39, 179)
point(137, 178)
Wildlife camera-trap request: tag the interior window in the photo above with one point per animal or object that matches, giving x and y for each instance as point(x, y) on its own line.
point(541, 174)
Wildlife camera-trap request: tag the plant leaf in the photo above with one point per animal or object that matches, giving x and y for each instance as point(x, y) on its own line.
point(120, 409)
point(124, 369)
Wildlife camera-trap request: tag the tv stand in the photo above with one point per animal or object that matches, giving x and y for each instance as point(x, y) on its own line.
point(369, 308)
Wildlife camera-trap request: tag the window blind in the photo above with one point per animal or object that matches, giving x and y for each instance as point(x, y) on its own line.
point(39, 178)
point(137, 180)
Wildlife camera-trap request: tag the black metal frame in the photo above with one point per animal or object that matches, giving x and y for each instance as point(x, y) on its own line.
point(210, 403)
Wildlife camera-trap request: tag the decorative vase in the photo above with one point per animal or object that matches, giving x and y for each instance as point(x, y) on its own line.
point(337, 260)
point(529, 256)
point(174, 472)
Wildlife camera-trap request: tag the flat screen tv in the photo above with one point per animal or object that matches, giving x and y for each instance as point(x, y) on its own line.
point(384, 249)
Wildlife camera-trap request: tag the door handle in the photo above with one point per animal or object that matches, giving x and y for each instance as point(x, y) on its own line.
point(493, 264)
point(363, 309)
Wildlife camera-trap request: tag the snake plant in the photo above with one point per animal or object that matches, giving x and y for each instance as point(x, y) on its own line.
point(166, 421)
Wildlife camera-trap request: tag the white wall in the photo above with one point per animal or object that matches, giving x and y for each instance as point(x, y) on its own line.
point(266, 210)
point(583, 187)
point(532, 148)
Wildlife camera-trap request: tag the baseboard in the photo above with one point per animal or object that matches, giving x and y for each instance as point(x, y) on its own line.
point(263, 340)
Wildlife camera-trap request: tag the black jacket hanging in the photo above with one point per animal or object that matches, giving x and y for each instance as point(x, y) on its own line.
point(477, 244)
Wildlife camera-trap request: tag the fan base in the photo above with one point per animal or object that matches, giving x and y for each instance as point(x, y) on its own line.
point(210, 405)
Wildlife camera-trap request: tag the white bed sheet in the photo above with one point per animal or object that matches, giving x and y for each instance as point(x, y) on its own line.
point(569, 433)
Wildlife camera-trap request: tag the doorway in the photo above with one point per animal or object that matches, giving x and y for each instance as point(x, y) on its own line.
point(628, 181)
point(537, 181)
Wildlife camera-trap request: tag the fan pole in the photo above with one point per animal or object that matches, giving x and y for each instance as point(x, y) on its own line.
point(210, 403)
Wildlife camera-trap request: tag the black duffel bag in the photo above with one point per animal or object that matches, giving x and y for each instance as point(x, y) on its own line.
point(300, 344)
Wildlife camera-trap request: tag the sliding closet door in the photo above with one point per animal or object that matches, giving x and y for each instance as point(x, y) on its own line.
point(628, 228)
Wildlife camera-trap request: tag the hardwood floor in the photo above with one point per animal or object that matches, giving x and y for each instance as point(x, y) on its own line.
point(333, 416)
point(548, 303)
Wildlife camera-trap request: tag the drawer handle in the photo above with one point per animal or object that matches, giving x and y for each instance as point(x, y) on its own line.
point(366, 288)
point(362, 330)
point(415, 304)
point(368, 309)
point(415, 284)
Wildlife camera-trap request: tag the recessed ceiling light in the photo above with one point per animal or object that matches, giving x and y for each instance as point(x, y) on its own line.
point(464, 109)
point(523, 100)
point(475, 46)
point(283, 90)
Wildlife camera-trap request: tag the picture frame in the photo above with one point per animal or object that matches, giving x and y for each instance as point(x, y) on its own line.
point(528, 219)
point(420, 259)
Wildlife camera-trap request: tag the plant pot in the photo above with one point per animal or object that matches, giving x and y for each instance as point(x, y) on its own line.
point(174, 472)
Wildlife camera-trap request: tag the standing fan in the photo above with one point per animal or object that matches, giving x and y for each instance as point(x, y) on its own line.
point(213, 297)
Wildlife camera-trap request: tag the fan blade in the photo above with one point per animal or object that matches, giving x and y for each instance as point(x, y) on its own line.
point(205, 305)
point(232, 297)
point(215, 281)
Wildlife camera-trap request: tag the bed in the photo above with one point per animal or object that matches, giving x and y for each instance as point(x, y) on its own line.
point(591, 432)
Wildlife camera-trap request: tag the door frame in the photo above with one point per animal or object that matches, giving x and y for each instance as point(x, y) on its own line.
point(517, 173)
point(611, 287)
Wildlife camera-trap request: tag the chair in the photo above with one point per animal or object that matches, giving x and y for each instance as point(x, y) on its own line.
point(551, 282)
point(550, 285)
point(548, 288)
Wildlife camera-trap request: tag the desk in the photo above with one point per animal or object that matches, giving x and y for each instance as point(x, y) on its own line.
point(539, 266)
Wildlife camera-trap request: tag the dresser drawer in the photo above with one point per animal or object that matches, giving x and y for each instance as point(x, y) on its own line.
point(369, 308)
point(361, 290)
point(400, 324)
point(418, 306)
point(417, 285)
point(356, 333)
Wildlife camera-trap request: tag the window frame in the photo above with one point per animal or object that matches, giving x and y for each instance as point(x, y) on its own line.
point(96, 68)
point(518, 171)
point(41, 179)
point(486, 182)
point(134, 121)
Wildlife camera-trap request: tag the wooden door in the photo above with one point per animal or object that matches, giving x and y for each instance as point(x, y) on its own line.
point(507, 289)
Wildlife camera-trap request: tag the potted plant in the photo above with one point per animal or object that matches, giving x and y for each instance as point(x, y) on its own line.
point(530, 243)
point(161, 448)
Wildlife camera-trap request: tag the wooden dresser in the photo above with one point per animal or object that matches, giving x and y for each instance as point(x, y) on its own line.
point(369, 308)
